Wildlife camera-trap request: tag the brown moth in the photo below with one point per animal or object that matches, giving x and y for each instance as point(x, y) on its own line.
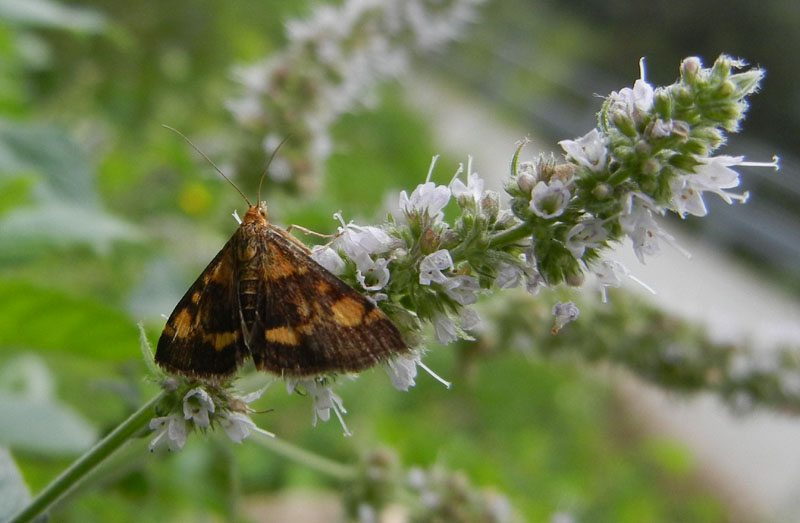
point(263, 296)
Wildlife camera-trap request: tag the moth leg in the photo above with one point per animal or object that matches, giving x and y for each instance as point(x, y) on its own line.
point(285, 233)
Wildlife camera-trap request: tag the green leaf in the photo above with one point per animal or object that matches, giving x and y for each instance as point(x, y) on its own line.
point(44, 319)
point(48, 151)
point(14, 493)
point(42, 426)
point(52, 14)
point(25, 231)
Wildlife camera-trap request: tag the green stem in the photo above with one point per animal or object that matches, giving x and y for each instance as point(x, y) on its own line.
point(512, 235)
point(86, 463)
point(304, 457)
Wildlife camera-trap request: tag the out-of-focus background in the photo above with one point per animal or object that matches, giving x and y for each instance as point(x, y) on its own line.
point(106, 218)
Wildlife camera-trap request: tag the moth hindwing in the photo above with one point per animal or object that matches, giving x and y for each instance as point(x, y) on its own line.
point(264, 296)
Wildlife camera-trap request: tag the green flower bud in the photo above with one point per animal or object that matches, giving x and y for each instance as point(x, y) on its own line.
point(601, 191)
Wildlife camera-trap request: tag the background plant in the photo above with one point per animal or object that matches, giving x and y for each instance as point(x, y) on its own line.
point(89, 99)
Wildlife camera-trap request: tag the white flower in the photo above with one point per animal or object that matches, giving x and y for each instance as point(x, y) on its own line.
point(472, 191)
point(428, 198)
point(640, 225)
point(237, 425)
point(402, 370)
point(589, 234)
point(197, 405)
point(609, 274)
point(432, 265)
point(564, 313)
point(549, 200)
point(329, 259)
point(324, 399)
point(359, 243)
point(444, 328)
point(632, 104)
point(470, 319)
point(508, 275)
point(375, 272)
point(170, 430)
point(589, 151)
point(463, 289)
point(713, 175)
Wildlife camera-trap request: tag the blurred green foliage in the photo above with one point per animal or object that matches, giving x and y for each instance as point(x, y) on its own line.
point(95, 195)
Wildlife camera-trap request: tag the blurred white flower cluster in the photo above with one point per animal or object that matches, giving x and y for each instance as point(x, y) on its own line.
point(333, 60)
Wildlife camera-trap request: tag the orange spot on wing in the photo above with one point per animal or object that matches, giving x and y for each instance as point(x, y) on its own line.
point(182, 323)
point(373, 316)
point(283, 335)
point(347, 312)
point(220, 340)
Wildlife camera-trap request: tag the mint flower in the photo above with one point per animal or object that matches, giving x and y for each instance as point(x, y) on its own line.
point(329, 259)
point(431, 267)
point(197, 405)
point(373, 275)
point(445, 330)
point(564, 313)
point(474, 189)
point(590, 151)
point(427, 198)
point(463, 289)
point(712, 175)
point(640, 225)
point(403, 370)
point(170, 431)
point(237, 425)
point(324, 399)
point(549, 200)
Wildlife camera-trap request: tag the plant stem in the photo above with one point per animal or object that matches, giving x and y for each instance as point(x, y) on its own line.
point(512, 235)
point(304, 457)
point(86, 463)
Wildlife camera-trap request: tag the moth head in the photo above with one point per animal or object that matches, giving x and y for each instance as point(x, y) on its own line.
point(256, 214)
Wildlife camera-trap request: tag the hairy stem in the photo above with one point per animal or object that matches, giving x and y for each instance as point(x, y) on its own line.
point(86, 463)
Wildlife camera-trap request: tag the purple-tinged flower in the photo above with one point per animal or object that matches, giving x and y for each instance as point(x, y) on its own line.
point(473, 190)
point(549, 200)
point(432, 265)
point(564, 313)
point(590, 151)
point(324, 399)
point(445, 330)
point(463, 289)
point(589, 234)
point(712, 175)
point(373, 276)
point(170, 431)
point(197, 405)
point(509, 275)
point(329, 259)
point(238, 425)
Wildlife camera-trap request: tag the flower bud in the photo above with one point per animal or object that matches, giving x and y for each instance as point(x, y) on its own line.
point(574, 278)
point(602, 191)
point(651, 166)
point(525, 182)
point(725, 89)
point(429, 241)
point(490, 204)
point(690, 68)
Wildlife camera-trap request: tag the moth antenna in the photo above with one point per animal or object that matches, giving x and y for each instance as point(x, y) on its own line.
point(271, 157)
point(201, 153)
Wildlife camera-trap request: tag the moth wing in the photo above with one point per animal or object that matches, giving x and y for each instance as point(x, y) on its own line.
point(310, 322)
point(203, 335)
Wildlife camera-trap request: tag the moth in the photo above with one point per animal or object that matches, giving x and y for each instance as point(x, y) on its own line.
point(264, 297)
